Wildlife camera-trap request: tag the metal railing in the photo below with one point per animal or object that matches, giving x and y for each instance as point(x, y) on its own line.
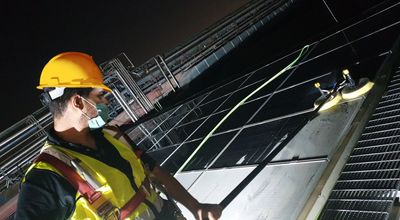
point(137, 90)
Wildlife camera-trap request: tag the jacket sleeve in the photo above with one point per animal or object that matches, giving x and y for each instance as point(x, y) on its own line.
point(45, 195)
point(145, 158)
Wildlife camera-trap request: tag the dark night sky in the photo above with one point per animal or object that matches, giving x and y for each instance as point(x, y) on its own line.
point(34, 31)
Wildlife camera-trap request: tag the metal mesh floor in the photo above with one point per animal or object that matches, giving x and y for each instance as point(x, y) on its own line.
point(370, 180)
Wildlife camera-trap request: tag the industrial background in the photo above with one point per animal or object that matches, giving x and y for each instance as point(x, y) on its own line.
point(279, 155)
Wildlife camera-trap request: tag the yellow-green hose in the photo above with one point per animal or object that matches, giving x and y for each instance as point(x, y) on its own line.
point(305, 48)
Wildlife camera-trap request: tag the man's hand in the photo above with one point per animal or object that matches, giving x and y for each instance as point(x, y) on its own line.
point(208, 211)
point(175, 189)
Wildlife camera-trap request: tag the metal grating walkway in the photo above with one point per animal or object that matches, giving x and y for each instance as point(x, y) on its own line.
point(370, 180)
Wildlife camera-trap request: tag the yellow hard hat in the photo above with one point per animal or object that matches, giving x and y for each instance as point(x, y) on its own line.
point(72, 70)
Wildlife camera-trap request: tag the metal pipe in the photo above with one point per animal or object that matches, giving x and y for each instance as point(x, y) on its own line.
point(34, 140)
point(299, 161)
point(165, 76)
point(13, 161)
point(120, 100)
point(133, 85)
point(139, 91)
point(144, 97)
point(126, 57)
point(128, 89)
point(23, 130)
point(168, 70)
point(25, 138)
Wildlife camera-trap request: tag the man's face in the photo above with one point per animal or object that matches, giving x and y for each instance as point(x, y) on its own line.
point(96, 96)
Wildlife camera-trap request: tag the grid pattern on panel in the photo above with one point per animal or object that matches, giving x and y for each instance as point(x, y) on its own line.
point(368, 184)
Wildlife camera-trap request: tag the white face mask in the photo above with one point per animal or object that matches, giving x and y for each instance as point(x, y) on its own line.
point(102, 115)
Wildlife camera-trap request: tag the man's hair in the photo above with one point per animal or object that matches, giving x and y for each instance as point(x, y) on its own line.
point(58, 105)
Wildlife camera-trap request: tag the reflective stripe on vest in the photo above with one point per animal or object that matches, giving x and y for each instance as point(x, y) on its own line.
point(115, 186)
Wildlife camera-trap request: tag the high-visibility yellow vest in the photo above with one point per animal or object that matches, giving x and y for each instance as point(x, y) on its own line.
point(115, 186)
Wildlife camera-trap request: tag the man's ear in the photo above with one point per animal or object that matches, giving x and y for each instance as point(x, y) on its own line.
point(77, 102)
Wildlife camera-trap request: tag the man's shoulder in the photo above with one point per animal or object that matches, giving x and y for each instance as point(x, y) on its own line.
point(48, 180)
point(45, 195)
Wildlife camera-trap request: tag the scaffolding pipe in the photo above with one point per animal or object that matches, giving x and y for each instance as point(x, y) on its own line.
point(120, 100)
point(3, 143)
point(168, 70)
point(124, 73)
point(129, 90)
point(163, 73)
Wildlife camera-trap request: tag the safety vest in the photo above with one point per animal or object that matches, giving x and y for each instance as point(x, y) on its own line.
point(114, 185)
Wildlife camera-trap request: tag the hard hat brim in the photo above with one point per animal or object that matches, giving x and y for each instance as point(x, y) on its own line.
point(102, 86)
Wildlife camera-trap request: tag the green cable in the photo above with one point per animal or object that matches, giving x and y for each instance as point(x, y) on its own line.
point(241, 103)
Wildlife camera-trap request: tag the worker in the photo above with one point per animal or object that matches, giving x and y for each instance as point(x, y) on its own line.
point(83, 171)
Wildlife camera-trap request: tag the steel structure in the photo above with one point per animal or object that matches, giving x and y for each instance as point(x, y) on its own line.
point(143, 86)
point(307, 160)
point(137, 90)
